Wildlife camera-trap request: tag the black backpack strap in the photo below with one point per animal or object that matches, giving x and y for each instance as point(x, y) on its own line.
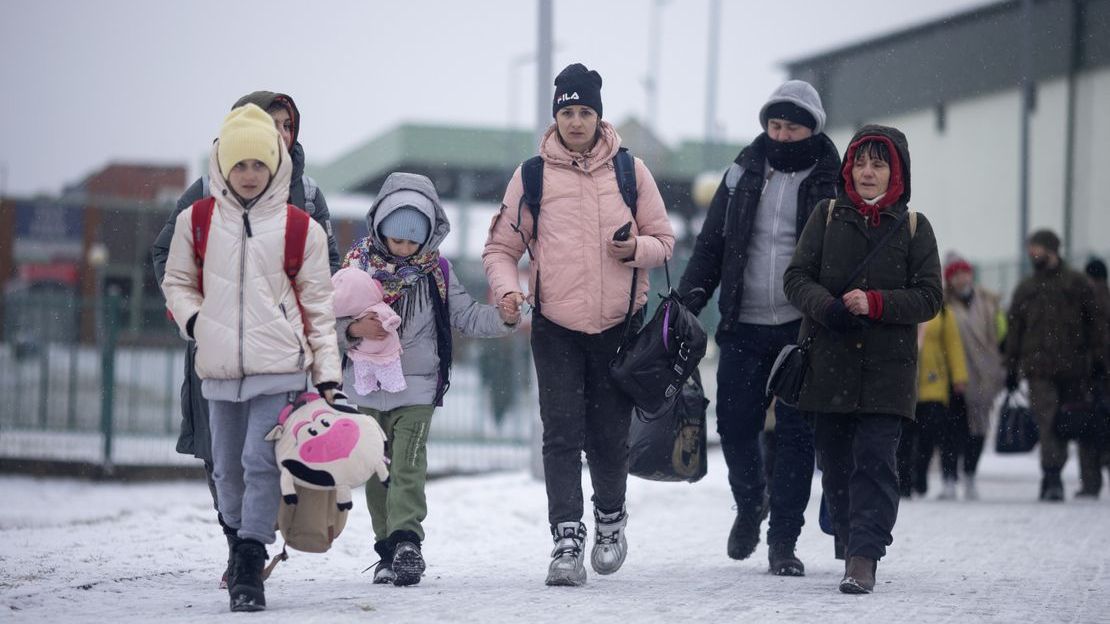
point(876, 249)
point(531, 178)
point(624, 166)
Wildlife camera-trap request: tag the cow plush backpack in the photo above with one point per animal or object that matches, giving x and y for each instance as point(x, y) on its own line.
point(324, 450)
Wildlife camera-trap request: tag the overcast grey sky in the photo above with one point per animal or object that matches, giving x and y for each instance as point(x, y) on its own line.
point(90, 82)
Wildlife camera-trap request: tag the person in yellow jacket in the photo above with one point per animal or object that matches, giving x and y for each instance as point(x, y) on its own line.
point(941, 373)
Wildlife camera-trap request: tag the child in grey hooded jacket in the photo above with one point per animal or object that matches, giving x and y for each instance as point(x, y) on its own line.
point(406, 225)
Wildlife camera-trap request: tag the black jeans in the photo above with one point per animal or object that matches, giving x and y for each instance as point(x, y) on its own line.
point(747, 354)
point(857, 457)
point(973, 450)
point(580, 409)
point(939, 428)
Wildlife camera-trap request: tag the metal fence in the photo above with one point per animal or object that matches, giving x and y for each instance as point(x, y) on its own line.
point(113, 400)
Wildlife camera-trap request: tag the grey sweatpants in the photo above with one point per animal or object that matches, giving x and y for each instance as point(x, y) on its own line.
point(244, 465)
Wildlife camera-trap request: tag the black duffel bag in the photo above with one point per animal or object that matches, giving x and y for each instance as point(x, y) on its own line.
point(652, 365)
point(1017, 428)
point(671, 445)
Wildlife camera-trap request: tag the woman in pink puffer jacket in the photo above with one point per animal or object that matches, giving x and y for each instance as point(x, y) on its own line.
point(580, 312)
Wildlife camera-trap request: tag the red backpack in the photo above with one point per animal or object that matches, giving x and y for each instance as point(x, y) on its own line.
point(296, 234)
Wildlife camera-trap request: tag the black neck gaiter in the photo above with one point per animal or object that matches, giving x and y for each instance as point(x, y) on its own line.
point(793, 156)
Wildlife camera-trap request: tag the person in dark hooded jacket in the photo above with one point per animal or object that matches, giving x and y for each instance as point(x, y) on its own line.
point(744, 247)
point(861, 376)
point(195, 436)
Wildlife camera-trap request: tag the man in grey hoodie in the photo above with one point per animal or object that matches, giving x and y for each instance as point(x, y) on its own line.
point(745, 245)
point(406, 225)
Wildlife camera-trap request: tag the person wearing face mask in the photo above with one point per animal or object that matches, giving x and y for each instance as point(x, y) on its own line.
point(744, 247)
point(1057, 340)
point(982, 324)
point(865, 274)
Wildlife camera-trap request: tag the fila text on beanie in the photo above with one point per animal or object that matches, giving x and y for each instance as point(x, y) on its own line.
point(577, 85)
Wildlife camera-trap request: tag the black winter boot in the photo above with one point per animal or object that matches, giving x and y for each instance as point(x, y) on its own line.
point(1052, 488)
point(859, 576)
point(383, 572)
point(232, 541)
point(245, 585)
point(744, 536)
point(408, 562)
point(783, 561)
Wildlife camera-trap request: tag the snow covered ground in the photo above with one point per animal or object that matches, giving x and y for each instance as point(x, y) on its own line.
point(103, 552)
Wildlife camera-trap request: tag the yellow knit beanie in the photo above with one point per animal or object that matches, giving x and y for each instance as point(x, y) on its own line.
point(248, 133)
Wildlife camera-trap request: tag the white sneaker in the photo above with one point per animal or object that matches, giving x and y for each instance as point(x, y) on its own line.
point(948, 490)
point(567, 567)
point(971, 493)
point(610, 545)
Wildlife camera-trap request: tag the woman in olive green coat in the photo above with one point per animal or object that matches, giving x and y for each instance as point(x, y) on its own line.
point(861, 378)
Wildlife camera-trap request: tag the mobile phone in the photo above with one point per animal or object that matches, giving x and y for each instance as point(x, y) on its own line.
point(623, 233)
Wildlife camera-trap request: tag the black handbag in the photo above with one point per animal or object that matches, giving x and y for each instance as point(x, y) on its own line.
point(1017, 427)
point(652, 365)
point(670, 445)
point(789, 370)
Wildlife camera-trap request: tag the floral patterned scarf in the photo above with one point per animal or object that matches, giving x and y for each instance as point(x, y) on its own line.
point(396, 274)
point(404, 281)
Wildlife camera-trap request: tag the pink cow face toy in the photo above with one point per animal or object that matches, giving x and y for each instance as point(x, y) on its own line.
point(323, 447)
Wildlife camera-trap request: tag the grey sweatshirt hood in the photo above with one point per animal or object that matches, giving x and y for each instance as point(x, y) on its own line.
point(800, 93)
point(409, 189)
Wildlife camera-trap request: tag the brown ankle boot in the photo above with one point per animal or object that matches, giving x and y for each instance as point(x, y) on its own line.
point(859, 576)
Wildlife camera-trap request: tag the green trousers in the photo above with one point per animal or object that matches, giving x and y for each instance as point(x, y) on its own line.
point(400, 504)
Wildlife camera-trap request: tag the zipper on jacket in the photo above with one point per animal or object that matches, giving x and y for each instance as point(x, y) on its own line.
point(774, 256)
point(247, 224)
point(300, 347)
point(242, 276)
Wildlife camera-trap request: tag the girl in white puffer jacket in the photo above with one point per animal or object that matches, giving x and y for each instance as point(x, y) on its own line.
point(258, 331)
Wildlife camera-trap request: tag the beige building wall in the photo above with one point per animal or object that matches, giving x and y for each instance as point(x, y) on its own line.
point(965, 177)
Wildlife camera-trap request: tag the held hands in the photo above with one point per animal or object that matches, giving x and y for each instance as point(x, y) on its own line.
point(509, 308)
point(621, 250)
point(368, 327)
point(856, 302)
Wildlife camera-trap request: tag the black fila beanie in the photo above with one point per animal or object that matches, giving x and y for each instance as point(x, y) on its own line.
point(577, 85)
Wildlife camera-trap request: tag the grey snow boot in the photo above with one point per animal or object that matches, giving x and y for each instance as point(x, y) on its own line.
point(610, 545)
point(567, 567)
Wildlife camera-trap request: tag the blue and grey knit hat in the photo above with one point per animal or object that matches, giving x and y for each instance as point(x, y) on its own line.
point(406, 223)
